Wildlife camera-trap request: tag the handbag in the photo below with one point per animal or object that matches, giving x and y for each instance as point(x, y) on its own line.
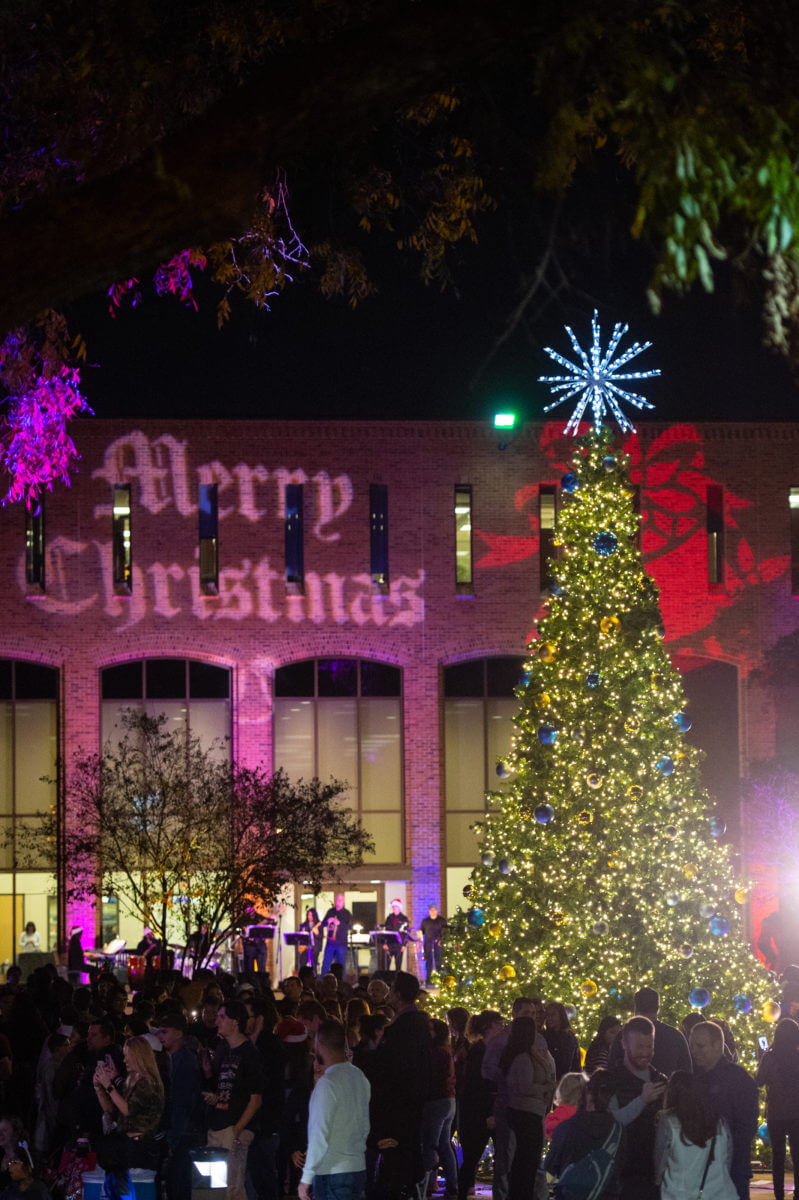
point(587, 1178)
point(710, 1154)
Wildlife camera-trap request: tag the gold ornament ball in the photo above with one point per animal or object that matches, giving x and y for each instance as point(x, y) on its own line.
point(507, 972)
point(690, 870)
point(609, 625)
point(558, 917)
point(740, 896)
point(585, 817)
point(495, 928)
point(635, 791)
point(448, 982)
point(588, 988)
point(632, 725)
point(771, 1011)
point(670, 831)
point(543, 701)
point(613, 863)
point(594, 781)
point(546, 652)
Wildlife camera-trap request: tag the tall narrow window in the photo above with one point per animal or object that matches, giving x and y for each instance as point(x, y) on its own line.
point(34, 547)
point(793, 500)
point(120, 541)
point(295, 567)
point(209, 538)
point(715, 534)
point(378, 533)
point(547, 517)
point(463, 540)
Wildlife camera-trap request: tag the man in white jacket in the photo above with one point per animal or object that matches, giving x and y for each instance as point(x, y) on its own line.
point(338, 1123)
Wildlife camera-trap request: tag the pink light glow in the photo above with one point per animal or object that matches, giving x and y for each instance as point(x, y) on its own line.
point(37, 450)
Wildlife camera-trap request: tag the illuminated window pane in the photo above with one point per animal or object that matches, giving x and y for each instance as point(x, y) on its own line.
point(500, 730)
point(6, 759)
point(463, 537)
point(715, 534)
point(465, 754)
point(338, 741)
point(7, 847)
point(207, 511)
point(294, 535)
point(381, 755)
point(461, 841)
point(121, 549)
point(386, 829)
point(210, 723)
point(294, 738)
point(547, 518)
point(34, 547)
point(174, 710)
point(37, 747)
point(378, 533)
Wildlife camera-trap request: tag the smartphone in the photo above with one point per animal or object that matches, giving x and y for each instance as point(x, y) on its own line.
point(763, 1043)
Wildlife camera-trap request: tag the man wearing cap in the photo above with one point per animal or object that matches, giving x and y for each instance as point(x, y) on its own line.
point(671, 1049)
point(185, 1105)
point(396, 922)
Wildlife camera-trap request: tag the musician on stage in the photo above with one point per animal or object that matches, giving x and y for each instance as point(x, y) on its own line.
point(336, 923)
point(430, 933)
point(310, 953)
point(397, 922)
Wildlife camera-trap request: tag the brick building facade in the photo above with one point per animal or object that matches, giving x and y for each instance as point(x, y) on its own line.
point(255, 547)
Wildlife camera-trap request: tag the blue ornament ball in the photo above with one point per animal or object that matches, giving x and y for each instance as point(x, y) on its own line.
point(706, 911)
point(717, 826)
point(476, 917)
point(571, 1011)
point(605, 543)
point(547, 735)
point(504, 866)
point(682, 722)
point(487, 859)
point(502, 771)
point(600, 928)
point(555, 588)
point(742, 1003)
point(762, 1133)
point(544, 814)
point(672, 899)
point(665, 765)
point(569, 482)
point(593, 679)
point(699, 998)
point(609, 463)
point(719, 926)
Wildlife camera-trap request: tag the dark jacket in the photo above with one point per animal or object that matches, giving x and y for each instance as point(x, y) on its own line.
point(671, 1051)
point(562, 1045)
point(401, 1078)
point(573, 1139)
point(639, 1162)
point(733, 1095)
point(477, 1095)
point(781, 1081)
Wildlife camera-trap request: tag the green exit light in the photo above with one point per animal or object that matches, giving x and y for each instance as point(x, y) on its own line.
point(504, 420)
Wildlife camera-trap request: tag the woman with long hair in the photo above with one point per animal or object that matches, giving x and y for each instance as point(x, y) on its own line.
point(355, 1010)
point(312, 926)
point(560, 1039)
point(136, 1106)
point(779, 1074)
point(439, 1109)
point(598, 1052)
point(476, 1100)
point(530, 1084)
point(591, 1127)
point(693, 1147)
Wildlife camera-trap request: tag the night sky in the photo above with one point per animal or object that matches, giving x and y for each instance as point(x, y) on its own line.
point(412, 352)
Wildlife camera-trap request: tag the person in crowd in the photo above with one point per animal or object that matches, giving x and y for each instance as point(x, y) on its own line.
point(671, 1048)
point(638, 1091)
point(149, 944)
point(136, 1105)
point(311, 1014)
point(503, 1135)
point(732, 1093)
point(23, 1181)
point(336, 923)
point(530, 1084)
point(76, 963)
point(458, 1021)
point(263, 1155)
point(238, 1087)
point(693, 1147)
point(560, 1039)
point(568, 1097)
point(53, 1054)
point(184, 1107)
point(592, 1127)
point(397, 922)
point(356, 1010)
point(377, 993)
point(313, 927)
point(292, 993)
point(298, 1052)
point(29, 939)
point(401, 1078)
point(338, 1124)
point(431, 931)
point(439, 1111)
point(86, 1111)
point(476, 1099)
point(12, 1133)
point(598, 1051)
point(205, 1030)
point(778, 1072)
point(371, 1027)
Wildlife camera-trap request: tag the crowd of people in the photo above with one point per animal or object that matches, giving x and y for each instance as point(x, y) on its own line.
point(343, 1089)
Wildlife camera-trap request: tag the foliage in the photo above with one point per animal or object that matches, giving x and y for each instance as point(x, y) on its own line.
point(185, 839)
point(596, 859)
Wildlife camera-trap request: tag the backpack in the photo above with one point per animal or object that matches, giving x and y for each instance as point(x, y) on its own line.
point(587, 1178)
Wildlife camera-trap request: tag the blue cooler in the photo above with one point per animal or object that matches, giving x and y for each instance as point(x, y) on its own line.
point(143, 1184)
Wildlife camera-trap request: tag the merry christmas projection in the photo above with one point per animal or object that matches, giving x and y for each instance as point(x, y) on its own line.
point(601, 866)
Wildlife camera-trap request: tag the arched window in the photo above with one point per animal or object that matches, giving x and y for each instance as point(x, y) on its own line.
point(192, 695)
point(479, 705)
point(343, 717)
point(28, 759)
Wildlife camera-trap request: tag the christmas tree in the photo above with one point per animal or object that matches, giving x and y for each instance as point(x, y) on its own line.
point(602, 866)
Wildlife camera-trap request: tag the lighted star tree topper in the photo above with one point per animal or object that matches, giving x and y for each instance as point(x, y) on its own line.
point(596, 380)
